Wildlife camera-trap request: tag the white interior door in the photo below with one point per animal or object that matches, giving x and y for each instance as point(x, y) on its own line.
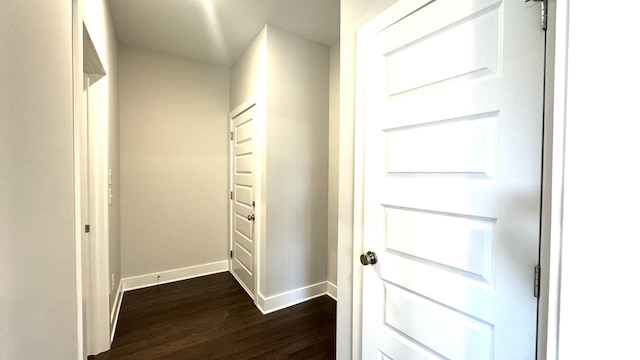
point(451, 114)
point(243, 203)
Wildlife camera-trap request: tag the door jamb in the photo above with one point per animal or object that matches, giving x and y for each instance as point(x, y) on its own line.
point(553, 179)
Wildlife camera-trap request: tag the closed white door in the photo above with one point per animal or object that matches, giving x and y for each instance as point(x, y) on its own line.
point(243, 203)
point(450, 107)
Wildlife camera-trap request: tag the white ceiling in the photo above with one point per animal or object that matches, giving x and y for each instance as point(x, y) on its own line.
point(218, 31)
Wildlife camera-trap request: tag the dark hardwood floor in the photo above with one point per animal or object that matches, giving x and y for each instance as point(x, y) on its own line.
point(211, 317)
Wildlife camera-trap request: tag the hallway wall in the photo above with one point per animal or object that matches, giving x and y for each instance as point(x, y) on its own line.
point(597, 194)
point(37, 243)
point(296, 164)
point(248, 74)
point(174, 156)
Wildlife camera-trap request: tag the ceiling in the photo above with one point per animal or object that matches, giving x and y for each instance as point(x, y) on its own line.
point(218, 31)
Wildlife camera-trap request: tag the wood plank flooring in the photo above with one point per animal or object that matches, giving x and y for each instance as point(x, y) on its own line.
point(211, 317)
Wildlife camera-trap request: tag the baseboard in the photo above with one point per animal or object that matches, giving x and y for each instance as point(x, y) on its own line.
point(115, 309)
point(332, 290)
point(168, 276)
point(290, 298)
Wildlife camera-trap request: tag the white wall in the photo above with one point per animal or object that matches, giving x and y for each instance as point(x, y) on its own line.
point(297, 162)
point(353, 13)
point(248, 74)
point(37, 245)
point(599, 300)
point(97, 19)
point(173, 138)
point(334, 137)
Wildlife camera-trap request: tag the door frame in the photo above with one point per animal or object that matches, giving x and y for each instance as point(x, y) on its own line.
point(553, 177)
point(97, 336)
point(551, 181)
point(246, 105)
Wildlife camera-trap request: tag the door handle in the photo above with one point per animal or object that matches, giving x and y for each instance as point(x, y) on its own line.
point(369, 258)
point(251, 217)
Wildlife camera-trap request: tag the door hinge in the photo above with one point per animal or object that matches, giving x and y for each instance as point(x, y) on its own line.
point(87, 228)
point(231, 254)
point(231, 195)
point(543, 13)
point(536, 281)
point(231, 135)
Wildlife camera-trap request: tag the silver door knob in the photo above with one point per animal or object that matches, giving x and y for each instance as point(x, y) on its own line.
point(368, 258)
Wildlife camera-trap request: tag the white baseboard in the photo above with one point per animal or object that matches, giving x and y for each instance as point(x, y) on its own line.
point(115, 309)
point(332, 290)
point(290, 298)
point(168, 276)
point(265, 304)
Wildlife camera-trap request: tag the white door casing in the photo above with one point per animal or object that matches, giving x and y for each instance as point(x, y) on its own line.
point(243, 165)
point(448, 168)
point(91, 197)
point(92, 205)
point(85, 206)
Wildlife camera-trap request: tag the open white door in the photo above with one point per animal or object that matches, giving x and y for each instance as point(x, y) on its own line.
point(449, 115)
point(243, 198)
